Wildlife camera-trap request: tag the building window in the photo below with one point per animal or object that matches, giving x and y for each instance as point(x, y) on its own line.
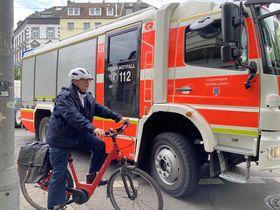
point(26, 34)
point(70, 26)
point(35, 32)
point(50, 33)
point(95, 11)
point(86, 26)
point(110, 11)
point(128, 11)
point(73, 11)
point(97, 23)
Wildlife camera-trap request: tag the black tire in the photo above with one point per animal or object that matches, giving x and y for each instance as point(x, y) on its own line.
point(148, 195)
point(38, 197)
point(43, 128)
point(174, 164)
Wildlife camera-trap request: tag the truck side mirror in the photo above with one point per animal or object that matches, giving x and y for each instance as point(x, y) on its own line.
point(231, 30)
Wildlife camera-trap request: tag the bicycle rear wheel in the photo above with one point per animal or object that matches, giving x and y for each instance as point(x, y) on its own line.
point(36, 194)
point(141, 192)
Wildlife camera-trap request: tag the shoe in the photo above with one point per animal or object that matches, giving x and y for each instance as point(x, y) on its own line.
point(91, 177)
point(58, 207)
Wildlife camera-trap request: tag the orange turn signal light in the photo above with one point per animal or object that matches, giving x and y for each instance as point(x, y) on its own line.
point(188, 114)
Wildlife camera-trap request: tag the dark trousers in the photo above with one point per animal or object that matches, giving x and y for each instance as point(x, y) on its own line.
point(59, 160)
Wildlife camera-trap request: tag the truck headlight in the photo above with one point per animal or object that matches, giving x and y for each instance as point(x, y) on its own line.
point(274, 152)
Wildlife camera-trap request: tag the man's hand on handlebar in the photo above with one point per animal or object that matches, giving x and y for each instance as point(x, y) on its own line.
point(125, 120)
point(99, 132)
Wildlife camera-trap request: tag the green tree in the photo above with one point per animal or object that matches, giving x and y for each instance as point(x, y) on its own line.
point(17, 72)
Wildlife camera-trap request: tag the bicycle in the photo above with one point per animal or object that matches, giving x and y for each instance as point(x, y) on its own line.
point(128, 183)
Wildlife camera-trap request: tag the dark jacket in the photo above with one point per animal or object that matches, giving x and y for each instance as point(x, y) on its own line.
point(70, 122)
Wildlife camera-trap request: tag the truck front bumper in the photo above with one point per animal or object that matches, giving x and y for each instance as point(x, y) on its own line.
point(269, 153)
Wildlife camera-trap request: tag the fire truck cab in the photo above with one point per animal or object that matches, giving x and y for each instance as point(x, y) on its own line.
point(200, 82)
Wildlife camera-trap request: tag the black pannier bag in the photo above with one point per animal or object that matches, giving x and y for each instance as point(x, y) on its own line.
point(33, 162)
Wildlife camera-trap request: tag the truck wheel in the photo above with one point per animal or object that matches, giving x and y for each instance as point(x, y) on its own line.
point(43, 128)
point(174, 165)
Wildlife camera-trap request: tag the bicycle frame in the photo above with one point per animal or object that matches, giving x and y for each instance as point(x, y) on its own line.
point(90, 188)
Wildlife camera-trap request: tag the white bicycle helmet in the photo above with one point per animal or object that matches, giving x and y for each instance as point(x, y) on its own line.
point(79, 73)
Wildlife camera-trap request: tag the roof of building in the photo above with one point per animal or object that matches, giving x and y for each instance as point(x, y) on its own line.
point(84, 9)
point(53, 14)
point(47, 16)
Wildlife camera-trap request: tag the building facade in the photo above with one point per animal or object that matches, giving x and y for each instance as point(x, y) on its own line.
point(78, 17)
point(38, 29)
point(56, 23)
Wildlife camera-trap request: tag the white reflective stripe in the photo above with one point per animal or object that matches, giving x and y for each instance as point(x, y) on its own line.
point(194, 72)
point(27, 120)
point(183, 72)
point(146, 74)
point(99, 78)
point(225, 108)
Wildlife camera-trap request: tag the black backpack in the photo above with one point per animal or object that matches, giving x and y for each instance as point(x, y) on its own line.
point(33, 162)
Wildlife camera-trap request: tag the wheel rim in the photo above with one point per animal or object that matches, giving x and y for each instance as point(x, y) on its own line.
point(35, 195)
point(18, 117)
point(167, 164)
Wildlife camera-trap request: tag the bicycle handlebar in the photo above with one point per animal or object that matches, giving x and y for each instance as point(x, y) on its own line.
point(119, 130)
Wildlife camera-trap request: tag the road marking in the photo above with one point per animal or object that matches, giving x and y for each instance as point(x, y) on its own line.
point(255, 180)
point(251, 180)
point(277, 179)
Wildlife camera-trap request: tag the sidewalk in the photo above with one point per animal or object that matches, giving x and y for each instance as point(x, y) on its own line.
point(24, 205)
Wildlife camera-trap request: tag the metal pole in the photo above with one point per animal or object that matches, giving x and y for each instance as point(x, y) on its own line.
point(9, 184)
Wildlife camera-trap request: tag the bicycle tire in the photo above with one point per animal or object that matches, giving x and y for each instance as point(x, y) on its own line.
point(38, 197)
point(149, 197)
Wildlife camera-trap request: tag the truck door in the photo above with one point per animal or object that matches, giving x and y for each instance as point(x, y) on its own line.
point(214, 88)
point(270, 113)
point(122, 71)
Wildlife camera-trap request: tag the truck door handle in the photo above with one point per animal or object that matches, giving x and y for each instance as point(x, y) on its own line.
point(184, 89)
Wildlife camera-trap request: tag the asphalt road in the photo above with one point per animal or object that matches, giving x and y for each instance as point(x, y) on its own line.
point(212, 194)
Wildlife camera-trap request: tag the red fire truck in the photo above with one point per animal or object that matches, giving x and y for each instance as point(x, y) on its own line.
point(200, 83)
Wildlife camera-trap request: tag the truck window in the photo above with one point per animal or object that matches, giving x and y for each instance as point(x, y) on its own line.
point(203, 48)
point(121, 76)
point(271, 34)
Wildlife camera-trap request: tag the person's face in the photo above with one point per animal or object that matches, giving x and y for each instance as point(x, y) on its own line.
point(83, 84)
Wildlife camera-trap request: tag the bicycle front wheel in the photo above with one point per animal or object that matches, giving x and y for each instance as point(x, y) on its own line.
point(131, 188)
point(36, 194)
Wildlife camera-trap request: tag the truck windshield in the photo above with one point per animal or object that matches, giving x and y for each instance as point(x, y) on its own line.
point(271, 38)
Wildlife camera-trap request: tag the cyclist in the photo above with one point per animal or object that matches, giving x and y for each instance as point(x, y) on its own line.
point(70, 127)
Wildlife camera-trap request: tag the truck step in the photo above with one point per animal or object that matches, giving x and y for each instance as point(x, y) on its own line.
point(233, 177)
point(235, 150)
